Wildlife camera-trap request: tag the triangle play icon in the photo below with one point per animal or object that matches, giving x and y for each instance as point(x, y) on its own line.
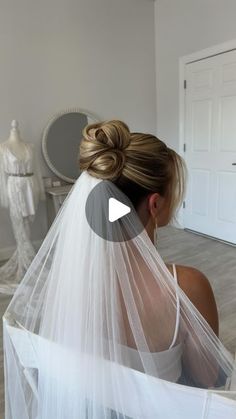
point(117, 209)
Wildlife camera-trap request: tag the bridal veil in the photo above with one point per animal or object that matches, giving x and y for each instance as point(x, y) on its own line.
point(80, 316)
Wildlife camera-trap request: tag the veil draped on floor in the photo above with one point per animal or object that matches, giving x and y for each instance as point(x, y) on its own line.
point(79, 340)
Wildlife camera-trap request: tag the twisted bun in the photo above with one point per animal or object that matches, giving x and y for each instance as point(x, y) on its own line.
point(137, 163)
point(102, 150)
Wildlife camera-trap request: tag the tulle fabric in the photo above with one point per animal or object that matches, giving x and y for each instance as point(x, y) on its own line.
point(86, 307)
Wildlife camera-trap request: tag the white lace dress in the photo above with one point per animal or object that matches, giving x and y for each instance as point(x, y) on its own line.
point(21, 188)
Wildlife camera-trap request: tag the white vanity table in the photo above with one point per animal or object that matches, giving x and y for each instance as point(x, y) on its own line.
point(55, 197)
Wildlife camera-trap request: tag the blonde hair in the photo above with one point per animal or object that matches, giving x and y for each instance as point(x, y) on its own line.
point(139, 164)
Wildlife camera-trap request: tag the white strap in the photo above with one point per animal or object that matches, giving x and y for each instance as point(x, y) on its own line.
point(177, 309)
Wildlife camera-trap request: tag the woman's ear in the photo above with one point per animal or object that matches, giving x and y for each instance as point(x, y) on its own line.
point(153, 204)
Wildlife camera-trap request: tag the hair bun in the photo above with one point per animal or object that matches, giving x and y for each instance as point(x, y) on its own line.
point(102, 150)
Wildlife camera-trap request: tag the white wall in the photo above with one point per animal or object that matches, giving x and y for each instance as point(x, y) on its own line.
point(183, 27)
point(56, 54)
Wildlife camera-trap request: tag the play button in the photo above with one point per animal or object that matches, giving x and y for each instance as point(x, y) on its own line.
point(117, 210)
point(110, 214)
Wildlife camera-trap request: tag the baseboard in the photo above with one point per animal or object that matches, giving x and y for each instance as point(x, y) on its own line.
point(6, 252)
point(210, 237)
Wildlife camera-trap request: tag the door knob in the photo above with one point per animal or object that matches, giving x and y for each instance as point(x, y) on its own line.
point(233, 164)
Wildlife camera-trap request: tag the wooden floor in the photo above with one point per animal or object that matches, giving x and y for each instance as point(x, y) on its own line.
point(216, 260)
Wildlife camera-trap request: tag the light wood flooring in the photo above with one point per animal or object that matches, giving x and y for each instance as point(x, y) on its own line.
point(216, 260)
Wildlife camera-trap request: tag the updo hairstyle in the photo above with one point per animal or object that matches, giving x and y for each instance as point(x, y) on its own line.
point(139, 164)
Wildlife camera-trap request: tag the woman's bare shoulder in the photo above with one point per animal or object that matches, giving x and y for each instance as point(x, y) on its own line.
point(198, 289)
point(192, 280)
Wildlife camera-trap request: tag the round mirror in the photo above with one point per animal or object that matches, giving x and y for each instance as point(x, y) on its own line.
point(61, 141)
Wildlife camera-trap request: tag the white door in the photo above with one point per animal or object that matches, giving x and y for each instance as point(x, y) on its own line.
point(210, 151)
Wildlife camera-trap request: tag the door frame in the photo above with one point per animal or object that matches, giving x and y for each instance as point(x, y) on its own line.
point(183, 61)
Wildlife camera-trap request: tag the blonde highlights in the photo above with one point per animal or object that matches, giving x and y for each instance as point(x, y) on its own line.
point(137, 163)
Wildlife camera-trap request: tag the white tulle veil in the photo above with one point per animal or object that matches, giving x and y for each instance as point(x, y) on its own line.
point(79, 340)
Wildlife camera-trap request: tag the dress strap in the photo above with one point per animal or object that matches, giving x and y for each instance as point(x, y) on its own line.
point(177, 308)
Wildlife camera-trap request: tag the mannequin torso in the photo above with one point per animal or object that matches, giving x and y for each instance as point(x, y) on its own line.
point(14, 143)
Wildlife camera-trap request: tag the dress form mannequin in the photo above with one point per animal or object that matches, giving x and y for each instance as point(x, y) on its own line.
point(21, 188)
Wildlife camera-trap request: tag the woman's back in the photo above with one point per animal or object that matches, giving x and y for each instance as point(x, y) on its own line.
point(168, 361)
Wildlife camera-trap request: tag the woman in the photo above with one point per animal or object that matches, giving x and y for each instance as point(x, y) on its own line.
point(109, 330)
point(153, 177)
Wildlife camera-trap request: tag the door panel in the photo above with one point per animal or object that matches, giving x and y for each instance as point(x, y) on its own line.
point(227, 120)
point(201, 124)
point(200, 181)
point(226, 199)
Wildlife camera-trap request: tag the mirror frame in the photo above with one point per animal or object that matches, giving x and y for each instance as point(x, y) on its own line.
point(60, 175)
